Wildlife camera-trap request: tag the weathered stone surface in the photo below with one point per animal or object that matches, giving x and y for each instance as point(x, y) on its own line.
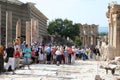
point(81, 70)
point(113, 15)
point(8, 27)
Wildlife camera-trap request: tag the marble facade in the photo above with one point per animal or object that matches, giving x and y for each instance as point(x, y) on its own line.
point(113, 15)
point(10, 26)
point(89, 34)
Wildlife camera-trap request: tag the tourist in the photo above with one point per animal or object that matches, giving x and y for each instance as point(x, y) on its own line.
point(62, 55)
point(66, 55)
point(94, 53)
point(11, 60)
point(17, 58)
point(97, 53)
point(33, 56)
point(41, 55)
point(1, 59)
point(23, 46)
point(48, 54)
point(83, 51)
point(73, 55)
point(58, 55)
point(27, 56)
point(80, 54)
point(35, 48)
point(70, 52)
point(89, 54)
point(54, 55)
point(77, 53)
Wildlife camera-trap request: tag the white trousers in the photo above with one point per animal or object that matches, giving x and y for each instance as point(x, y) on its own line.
point(11, 62)
point(73, 58)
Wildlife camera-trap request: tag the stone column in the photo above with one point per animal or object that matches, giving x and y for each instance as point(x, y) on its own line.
point(118, 35)
point(34, 31)
point(81, 39)
point(8, 27)
point(111, 28)
point(89, 40)
point(84, 40)
point(95, 41)
point(112, 31)
point(110, 34)
point(92, 40)
point(28, 32)
point(18, 29)
point(0, 25)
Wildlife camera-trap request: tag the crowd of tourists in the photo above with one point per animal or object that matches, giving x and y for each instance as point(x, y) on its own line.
point(43, 54)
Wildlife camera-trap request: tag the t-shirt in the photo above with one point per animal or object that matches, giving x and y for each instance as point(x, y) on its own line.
point(76, 51)
point(27, 52)
point(66, 53)
point(58, 52)
point(48, 50)
point(33, 54)
point(83, 51)
point(17, 54)
point(10, 52)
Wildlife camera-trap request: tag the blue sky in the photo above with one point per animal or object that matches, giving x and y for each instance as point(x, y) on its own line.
point(79, 11)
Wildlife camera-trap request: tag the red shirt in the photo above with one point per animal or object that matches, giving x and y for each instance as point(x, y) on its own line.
point(53, 50)
point(33, 53)
point(17, 54)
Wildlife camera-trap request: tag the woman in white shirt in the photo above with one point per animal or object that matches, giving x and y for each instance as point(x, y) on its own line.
point(58, 56)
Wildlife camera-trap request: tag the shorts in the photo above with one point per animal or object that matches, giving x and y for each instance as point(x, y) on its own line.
point(26, 61)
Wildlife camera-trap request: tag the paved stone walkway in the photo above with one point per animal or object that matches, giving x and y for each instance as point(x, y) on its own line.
point(81, 70)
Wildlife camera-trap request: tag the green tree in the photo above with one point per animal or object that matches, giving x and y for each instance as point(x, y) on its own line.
point(64, 28)
point(55, 27)
point(78, 41)
point(75, 31)
point(52, 27)
point(67, 28)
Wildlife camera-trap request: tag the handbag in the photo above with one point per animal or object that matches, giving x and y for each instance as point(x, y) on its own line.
point(6, 59)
